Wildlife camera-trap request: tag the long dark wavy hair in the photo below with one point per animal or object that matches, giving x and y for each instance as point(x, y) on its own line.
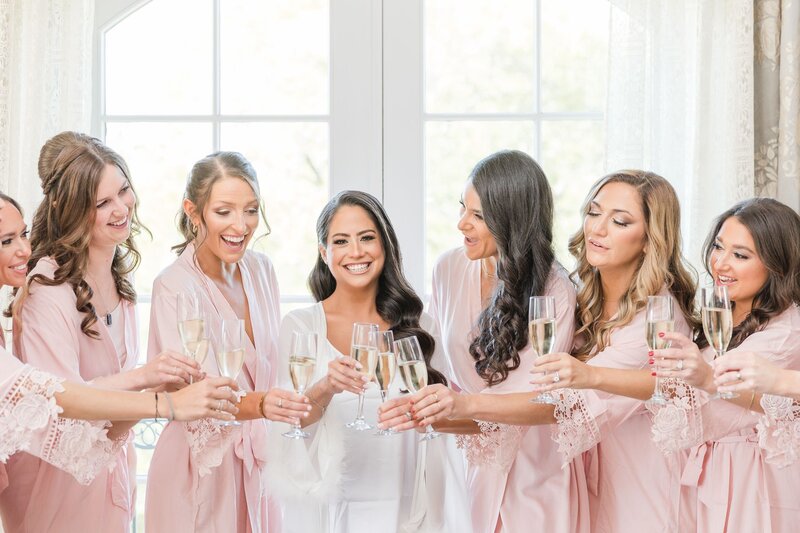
point(396, 300)
point(70, 168)
point(775, 229)
point(517, 206)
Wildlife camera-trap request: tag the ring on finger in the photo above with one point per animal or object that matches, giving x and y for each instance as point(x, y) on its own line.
point(739, 376)
point(408, 415)
point(280, 403)
point(219, 405)
point(679, 366)
point(556, 377)
point(435, 398)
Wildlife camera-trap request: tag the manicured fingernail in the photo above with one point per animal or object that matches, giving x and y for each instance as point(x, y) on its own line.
point(305, 415)
point(650, 353)
point(661, 334)
point(652, 361)
point(652, 373)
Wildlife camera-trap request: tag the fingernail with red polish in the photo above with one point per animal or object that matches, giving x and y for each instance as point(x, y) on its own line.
point(661, 334)
point(650, 353)
point(652, 373)
point(652, 361)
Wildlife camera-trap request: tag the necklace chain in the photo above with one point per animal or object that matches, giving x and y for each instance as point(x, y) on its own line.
point(107, 314)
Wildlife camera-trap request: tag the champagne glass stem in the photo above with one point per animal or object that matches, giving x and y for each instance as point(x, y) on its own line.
point(360, 406)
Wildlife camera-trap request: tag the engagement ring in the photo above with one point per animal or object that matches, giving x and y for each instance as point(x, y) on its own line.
point(679, 366)
point(280, 403)
point(556, 377)
point(408, 415)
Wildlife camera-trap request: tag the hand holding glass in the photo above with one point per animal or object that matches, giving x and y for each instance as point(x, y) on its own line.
point(385, 369)
point(414, 372)
point(302, 360)
point(542, 333)
point(191, 326)
point(230, 355)
point(364, 350)
point(659, 319)
point(717, 324)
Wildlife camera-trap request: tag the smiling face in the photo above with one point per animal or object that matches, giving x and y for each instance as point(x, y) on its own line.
point(478, 240)
point(614, 229)
point(353, 252)
point(735, 264)
point(113, 208)
point(231, 219)
point(14, 247)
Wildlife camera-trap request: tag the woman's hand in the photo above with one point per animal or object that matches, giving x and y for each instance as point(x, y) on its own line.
point(562, 371)
point(683, 360)
point(169, 370)
point(430, 405)
point(209, 398)
point(344, 376)
point(281, 405)
point(746, 371)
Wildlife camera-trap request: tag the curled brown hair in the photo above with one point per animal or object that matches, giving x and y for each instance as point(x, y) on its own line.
point(70, 167)
point(662, 266)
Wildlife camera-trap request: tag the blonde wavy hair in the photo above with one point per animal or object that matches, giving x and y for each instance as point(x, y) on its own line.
point(663, 264)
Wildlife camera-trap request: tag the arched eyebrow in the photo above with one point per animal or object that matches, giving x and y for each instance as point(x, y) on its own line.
point(595, 203)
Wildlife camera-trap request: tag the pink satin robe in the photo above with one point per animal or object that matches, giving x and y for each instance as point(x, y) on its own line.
point(514, 474)
point(41, 497)
point(633, 486)
point(203, 478)
point(737, 488)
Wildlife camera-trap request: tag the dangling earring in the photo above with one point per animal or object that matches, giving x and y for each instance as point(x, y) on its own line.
point(194, 229)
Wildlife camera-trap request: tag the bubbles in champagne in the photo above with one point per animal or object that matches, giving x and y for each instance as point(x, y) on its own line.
point(301, 370)
point(367, 356)
point(415, 374)
point(230, 363)
point(718, 327)
point(542, 334)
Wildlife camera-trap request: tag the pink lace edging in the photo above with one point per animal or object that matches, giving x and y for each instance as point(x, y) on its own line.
point(779, 430)
point(496, 444)
point(678, 424)
point(78, 447)
point(576, 429)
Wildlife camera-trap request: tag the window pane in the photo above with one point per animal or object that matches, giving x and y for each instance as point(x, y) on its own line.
point(160, 156)
point(451, 151)
point(155, 65)
point(572, 157)
point(292, 162)
point(479, 56)
point(574, 55)
point(275, 56)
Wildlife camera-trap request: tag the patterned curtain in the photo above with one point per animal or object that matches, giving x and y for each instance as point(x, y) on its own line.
point(777, 100)
point(45, 84)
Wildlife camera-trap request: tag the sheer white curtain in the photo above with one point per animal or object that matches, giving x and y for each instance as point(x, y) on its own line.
point(45, 84)
point(680, 102)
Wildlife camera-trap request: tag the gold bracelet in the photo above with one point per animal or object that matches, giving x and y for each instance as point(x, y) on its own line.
point(752, 399)
point(157, 415)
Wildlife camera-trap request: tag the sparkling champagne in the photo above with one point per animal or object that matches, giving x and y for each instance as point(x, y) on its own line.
point(654, 327)
point(191, 331)
point(301, 369)
point(415, 375)
point(384, 372)
point(197, 349)
point(542, 333)
point(230, 363)
point(367, 356)
point(718, 327)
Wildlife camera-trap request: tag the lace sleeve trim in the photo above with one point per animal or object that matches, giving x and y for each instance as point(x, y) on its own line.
point(208, 443)
point(779, 430)
point(29, 410)
point(677, 424)
point(576, 430)
point(496, 444)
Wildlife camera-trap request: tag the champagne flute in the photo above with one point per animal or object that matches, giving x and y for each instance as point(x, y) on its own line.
point(542, 334)
point(385, 370)
point(659, 319)
point(302, 360)
point(364, 350)
point(414, 372)
point(717, 324)
point(191, 326)
point(230, 355)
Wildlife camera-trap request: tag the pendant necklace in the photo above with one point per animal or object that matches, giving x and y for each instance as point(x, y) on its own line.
point(102, 300)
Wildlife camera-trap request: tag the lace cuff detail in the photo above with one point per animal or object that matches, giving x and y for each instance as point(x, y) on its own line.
point(29, 422)
point(779, 430)
point(677, 424)
point(208, 443)
point(576, 430)
point(496, 445)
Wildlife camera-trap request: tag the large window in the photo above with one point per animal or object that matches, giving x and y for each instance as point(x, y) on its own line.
point(396, 97)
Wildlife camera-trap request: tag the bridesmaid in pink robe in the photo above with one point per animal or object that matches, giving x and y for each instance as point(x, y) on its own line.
point(753, 250)
point(480, 292)
point(220, 480)
point(628, 249)
point(76, 319)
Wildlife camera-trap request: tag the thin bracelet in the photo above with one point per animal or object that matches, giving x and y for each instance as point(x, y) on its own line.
point(157, 415)
point(261, 405)
point(752, 399)
point(310, 399)
point(171, 408)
